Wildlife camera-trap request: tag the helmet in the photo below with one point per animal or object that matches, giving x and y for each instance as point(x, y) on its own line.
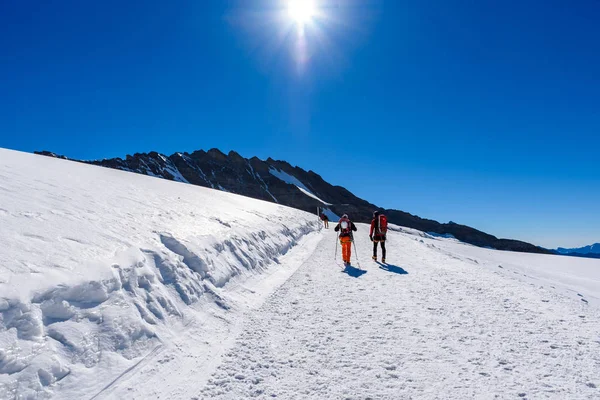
point(345, 216)
point(375, 213)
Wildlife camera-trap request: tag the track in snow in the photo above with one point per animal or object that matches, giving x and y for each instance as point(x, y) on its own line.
point(430, 325)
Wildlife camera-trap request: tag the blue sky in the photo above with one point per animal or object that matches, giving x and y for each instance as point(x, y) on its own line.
point(483, 113)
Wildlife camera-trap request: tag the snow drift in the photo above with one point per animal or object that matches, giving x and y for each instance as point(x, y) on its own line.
point(98, 265)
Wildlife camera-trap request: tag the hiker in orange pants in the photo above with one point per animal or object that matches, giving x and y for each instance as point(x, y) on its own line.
point(346, 227)
point(346, 243)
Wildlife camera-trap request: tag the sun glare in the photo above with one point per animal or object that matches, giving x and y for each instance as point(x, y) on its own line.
point(301, 11)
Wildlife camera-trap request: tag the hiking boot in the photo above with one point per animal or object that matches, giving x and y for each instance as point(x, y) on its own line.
point(383, 260)
point(374, 258)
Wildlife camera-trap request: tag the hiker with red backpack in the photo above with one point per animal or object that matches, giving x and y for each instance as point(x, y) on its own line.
point(346, 227)
point(378, 233)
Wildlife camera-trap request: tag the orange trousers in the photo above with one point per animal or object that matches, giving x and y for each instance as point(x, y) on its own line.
point(346, 243)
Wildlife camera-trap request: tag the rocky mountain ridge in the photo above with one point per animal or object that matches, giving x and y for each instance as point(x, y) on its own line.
point(279, 182)
point(591, 249)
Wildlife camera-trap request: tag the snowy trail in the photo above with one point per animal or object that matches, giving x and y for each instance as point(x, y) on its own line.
point(434, 325)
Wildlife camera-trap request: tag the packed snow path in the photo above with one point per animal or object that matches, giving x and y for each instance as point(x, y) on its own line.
point(431, 325)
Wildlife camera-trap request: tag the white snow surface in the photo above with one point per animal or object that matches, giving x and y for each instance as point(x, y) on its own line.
point(292, 180)
point(101, 270)
point(310, 194)
point(150, 297)
point(439, 321)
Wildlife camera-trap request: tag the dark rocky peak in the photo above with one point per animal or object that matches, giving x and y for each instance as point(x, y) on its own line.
point(259, 166)
point(50, 154)
point(155, 154)
point(314, 175)
point(234, 157)
point(217, 155)
point(281, 165)
point(46, 153)
point(197, 153)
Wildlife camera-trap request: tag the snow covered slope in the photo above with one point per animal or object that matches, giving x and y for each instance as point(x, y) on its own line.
point(441, 320)
point(292, 180)
point(120, 286)
point(103, 270)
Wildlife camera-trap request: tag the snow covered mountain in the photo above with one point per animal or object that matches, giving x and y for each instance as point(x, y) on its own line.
point(279, 182)
point(120, 286)
point(593, 249)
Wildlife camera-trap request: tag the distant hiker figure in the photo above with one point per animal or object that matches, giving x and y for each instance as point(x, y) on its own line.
point(346, 227)
point(378, 233)
point(325, 220)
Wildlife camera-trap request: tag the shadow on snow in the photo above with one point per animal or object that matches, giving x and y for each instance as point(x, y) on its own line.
point(392, 268)
point(354, 272)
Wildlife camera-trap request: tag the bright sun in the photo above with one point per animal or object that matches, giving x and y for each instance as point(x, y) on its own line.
point(301, 11)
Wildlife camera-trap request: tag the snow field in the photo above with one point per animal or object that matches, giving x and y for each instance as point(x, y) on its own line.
point(100, 270)
point(436, 323)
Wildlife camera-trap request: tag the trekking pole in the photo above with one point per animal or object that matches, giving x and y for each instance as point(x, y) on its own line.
point(356, 252)
point(336, 243)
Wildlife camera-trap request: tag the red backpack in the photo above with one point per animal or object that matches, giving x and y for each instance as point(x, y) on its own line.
point(382, 225)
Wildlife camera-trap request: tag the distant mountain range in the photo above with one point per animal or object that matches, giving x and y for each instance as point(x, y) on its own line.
point(280, 182)
point(591, 251)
